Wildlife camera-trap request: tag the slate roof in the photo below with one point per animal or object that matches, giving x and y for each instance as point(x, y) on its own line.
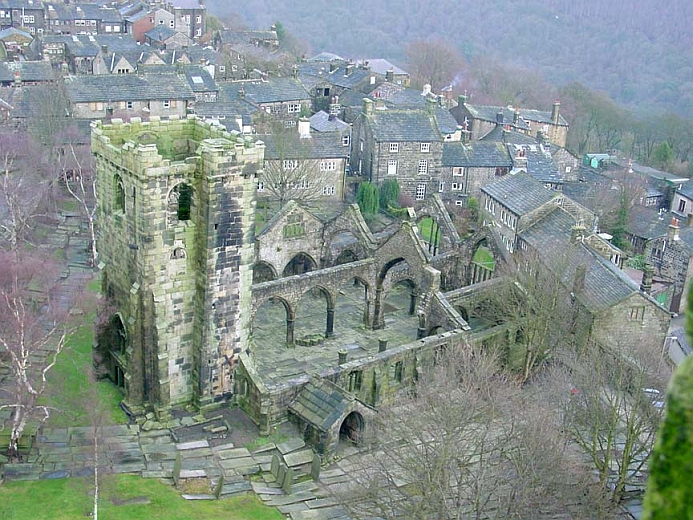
point(229, 37)
point(520, 193)
point(127, 87)
point(404, 125)
point(78, 45)
point(605, 284)
point(272, 91)
point(399, 96)
point(160, 33)
point(9, 32)
point(199, 79)
point(312, 73)
point(476, 154)
point(326, 145)
point(381, 66)
point(686, 190)
point(325, 56)
point(488, 113)
point(592, 189)
point(28, 71)
point(321, 122)
point(227, 105)
point(646, 222)
point(321, 404)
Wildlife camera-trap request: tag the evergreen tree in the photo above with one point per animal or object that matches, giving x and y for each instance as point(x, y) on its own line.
point(368, 198)
point(389, 193)
point(671, 466)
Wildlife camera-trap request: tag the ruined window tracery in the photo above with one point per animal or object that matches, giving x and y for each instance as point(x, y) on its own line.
point(119, 203)
point(180, 203)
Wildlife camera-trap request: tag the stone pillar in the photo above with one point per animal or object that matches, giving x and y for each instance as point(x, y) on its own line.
point(378, 322)
point(646, 284)
point(421, 329)
point(367, 313)
point(342, 356)
point(382, 345)
point(329, 332)
point(412, 302)
point(289, 332)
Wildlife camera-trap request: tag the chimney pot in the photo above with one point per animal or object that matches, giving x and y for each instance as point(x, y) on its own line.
point(555, 112)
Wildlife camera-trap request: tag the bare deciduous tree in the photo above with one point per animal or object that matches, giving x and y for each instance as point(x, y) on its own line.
point(433, 62)
point(33, 332)
point(292, 170)
point(478, 452)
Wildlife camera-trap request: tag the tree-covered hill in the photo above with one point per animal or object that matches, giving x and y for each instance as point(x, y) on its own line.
point(639, 51)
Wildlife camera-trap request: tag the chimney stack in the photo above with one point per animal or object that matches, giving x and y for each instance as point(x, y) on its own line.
point(689, 220)
point(673, 231)
point(577, 233)
point(304, 128)
point(646, 284)
point(555, 112)
point(462, 99)
point(367, 107)
point(579, 280)
point(426, 90)
point(499, 117)
point(390, 76)
point(516, 116)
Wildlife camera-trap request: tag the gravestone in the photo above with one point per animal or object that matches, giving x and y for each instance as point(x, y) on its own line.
point(315, 467)
point(288, 480)
point(274, 468)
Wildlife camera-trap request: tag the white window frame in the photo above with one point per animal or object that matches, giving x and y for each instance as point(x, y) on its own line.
point(328, 166)
point(392, 166)
point(346, 140)
point(289, 164)
point(423, 167)
point(198, 19)
point(260, 186)
point(394, 147)
point(328, 191)
point(420, 191)
point(167, 103)
point(441, 187)
point(129, 105)
point(425, 147)
point(457, 171)
point(293, 108)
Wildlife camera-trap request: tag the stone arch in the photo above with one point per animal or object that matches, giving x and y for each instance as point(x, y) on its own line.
point(447, 236)
point(300, 263)
point(309, 333)
point(263, 272)
point(119, 193)
point(483, 263)
point(349, 296)
point(351, 429)
point(289, 311)
point(434, 331)
point(430, 232)
point(112, 347)
point(341, 241)
point(345, 257)
point(180, 203)
point(483, 236)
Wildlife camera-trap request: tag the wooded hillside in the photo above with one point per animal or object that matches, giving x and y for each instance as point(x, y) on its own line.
point(639, 51)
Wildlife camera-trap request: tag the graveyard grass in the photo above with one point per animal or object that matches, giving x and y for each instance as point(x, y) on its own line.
point(67, 499)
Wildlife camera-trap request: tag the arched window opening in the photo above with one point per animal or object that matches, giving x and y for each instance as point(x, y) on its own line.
point(180, 203)
point(119, 203)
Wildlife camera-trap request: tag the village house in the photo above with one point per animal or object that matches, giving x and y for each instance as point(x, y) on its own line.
point(137, 19)
point(17, 44)
point(189, 17)
point(313, 161)
point(161, 37)
point(402, 144)
point(480, 120)
point(129, 95)
point(230, 110)
point(25, 14)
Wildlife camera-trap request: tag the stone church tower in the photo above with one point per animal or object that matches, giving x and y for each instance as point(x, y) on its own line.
point(176, 214)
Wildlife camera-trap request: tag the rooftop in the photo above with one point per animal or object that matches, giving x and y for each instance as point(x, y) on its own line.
point(520, 193)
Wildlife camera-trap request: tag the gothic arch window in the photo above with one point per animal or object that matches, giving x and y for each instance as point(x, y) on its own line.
point(178, 253)
point(119, 202)
point(180, 203)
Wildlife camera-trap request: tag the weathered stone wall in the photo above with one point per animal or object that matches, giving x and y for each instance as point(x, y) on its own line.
point(636, 321)
point(408, 156)
point(672, 262)
point(179, 283)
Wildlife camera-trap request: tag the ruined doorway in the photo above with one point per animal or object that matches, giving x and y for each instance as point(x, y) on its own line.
point(299, 264)
point(351, 430)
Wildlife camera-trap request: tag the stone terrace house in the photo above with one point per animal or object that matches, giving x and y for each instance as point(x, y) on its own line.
point(682, 203)
point(18, 73)
point(644, 224)
point(402, 144)
point(480, 120)
point(670, 254)
point(129, 95)
point(234, 112)
point(190, 16)
point(616, 312)
point(281, 100)
point(516, 201)
point(166, 38)
point(27, 14)
point(468, 166)
point(317, 159)
point(137, 19)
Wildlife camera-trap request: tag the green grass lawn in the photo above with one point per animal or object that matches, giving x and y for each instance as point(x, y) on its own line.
point(484, 257)
point(71, 391)
point(428, 229)
point(68, 499)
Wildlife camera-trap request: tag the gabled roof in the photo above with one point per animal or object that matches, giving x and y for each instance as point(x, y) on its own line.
point(323, 122)
point(327, 145)
point(399, 96)
point(227, 106)
point(593, 190)
point(27, 70)
point(231, 37)
point(520, 193)
point(489, 113)
point(646, 222)
point(127, 87)
point(273, 90)
point(404, 125)
point(339, 73)
point(686, 190)
point(476, 154)
point(381, 66)
point(605, 285)
point(161, 33)
point(11, 32)
point(322, 404)
point(199, 79)
point(325, 56)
